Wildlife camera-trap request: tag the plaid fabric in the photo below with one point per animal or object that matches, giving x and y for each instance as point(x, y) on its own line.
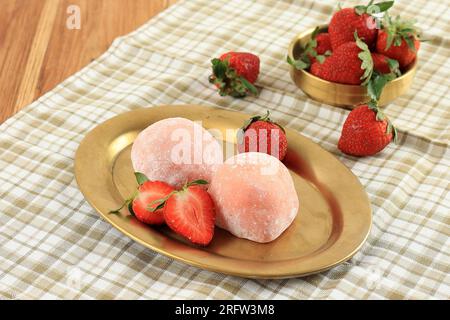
point(54, 245)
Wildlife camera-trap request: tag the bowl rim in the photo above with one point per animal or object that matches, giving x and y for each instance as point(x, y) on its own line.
point(307, 32)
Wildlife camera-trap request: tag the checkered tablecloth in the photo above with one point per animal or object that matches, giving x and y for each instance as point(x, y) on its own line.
point(54, 245)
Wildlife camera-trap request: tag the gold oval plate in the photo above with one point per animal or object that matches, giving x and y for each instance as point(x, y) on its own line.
point(333, 221)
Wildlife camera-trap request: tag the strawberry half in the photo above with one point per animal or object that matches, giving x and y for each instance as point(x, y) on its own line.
point(234, 73)
point(190, 212)
point(144, 202)
point(143, 205)
point(261, 134)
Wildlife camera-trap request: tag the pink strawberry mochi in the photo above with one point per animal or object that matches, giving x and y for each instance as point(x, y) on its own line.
point(176, 151)
point(255, 196)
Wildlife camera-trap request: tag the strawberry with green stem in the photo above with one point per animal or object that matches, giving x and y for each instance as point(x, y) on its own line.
point(234, 74)
point(360, 19)
point(366, 131)
point(351, 63)
point(316, 49)
point(398, 39)
point(262, 134)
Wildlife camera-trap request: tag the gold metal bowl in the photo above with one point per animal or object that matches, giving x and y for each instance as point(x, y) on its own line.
point(341, 95)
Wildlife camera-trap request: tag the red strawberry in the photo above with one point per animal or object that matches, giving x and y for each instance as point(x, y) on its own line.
point(150, 191)
point(351, 63)
point(190, 212)
point(259, 134)
point(385, 65)
point(316, 49)
point(380, 63)
point(143, 204)
point(323, 43)
point(344, 23)
point(398, 40)
point(234, 73)
point(366, 131)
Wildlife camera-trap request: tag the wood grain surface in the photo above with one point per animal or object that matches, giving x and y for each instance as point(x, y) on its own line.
point(38, 50)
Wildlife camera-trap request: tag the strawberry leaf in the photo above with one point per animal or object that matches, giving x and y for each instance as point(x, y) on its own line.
point(394, 66)
point(320, 58)
point(126, 203)
point(140, 178)
point(366, 60)
point(382, 6)
point(219, 68)
point(297, 64)
point(249, 86)
point(375, 86)
point(197, 182)
point(372, 8)
point(410, 43)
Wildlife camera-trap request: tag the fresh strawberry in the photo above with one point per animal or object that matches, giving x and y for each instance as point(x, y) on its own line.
point(190, 212)
point(142, 205)
point(234, 73)
point(351, 63)
point(148, 192)
point(261, 134)
point(323, 43)
point(316, 49)
point(382, 64)
point(366, 131)
point(346, 21)
point(398, 40)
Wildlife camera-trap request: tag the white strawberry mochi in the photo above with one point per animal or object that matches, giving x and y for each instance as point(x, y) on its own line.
point(176, 151)
point(255, 196)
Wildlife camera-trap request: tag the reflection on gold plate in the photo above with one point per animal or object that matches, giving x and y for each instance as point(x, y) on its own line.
point(333, 222)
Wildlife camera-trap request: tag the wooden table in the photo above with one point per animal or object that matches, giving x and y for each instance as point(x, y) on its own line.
point(40, 44)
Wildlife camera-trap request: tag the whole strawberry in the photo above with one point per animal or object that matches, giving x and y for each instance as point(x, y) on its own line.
point(351, 63)
point(346, 21)
point(316, 49)
point(323, 43)
point(234, 73)
point(261, 134)
point(398, 40)
point(366, 131)
point(384, 64)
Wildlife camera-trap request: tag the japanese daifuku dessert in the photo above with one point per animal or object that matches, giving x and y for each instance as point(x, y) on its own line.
point(255, 196)
point(176, 151)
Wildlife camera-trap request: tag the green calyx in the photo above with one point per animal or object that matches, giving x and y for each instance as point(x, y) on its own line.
point(304, 61)
point(228, 81)
point(373, 8)
point(265, 118)
point(140, 179)
point(398, 30)
point(380, 116)
point(366, 60)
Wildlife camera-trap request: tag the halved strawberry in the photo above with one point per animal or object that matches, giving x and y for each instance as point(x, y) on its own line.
point(144, 202)
point(190, 212)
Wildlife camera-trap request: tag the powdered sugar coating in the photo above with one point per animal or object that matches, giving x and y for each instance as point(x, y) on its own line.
point(176, 150)
point(255, 196)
